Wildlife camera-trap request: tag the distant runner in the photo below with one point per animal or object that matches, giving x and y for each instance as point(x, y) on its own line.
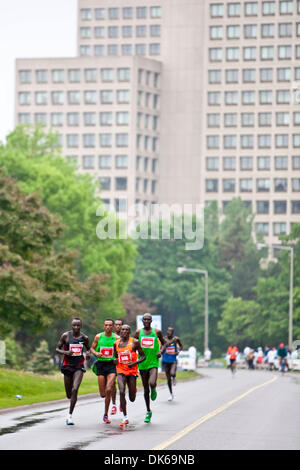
point(103, 349)
point(282, 354)
point(151, 341)
point(126, 349)
point(71, 346)
point(232, 353)
point(118, 326)
point(171, 349)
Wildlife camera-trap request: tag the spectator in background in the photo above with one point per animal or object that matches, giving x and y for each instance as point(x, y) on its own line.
point(250, 359)
point(271, 359)
point(246, 352)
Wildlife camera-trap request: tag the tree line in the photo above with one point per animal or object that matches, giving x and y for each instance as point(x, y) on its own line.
point(53, 266)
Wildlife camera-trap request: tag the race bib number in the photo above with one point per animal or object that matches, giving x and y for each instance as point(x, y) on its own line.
point(170, 350)
point(107, 352)
point(77, 349)
point(147, 342)
point(124, 357)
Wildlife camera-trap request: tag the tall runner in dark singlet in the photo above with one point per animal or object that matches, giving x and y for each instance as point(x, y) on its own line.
point(126, 349)
point(151, 341)
point(118, 326)
point(105, 368)
point(171, 349)
point(71, 346)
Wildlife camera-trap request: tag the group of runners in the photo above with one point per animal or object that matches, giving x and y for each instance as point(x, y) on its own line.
point(119, 356)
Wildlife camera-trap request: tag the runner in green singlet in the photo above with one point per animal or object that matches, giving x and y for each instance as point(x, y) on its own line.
point(105, 368)
point(151, 341)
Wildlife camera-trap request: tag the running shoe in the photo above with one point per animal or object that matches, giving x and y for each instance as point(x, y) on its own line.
point(148, 417)
point(106, 420)
point(69, 422)
point(113, 410)
point(153, 394)
point(171, 397)
point(124, 422)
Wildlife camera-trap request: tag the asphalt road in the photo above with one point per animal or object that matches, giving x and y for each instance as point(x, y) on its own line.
point(253, 410)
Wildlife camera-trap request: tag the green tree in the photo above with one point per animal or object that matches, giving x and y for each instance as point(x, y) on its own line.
point(240, 322)
point(37, 286)
point(33, 158)
point(41, 362)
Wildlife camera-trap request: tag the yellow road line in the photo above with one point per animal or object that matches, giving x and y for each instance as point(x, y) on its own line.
point(210, 415)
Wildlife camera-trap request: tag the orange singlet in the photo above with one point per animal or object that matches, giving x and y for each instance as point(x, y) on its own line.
point(126, 355)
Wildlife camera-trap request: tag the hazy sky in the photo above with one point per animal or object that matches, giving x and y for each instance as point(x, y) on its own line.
point(31, 28)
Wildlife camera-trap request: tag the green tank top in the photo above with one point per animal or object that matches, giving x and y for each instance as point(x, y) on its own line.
point(106, 347)
point(150, 346)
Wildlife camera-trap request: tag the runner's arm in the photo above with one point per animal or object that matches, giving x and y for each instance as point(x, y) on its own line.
point(179, 345)
point(137, 347)
point(60, 345)
point(162, 342)
point(115, 353)
point(137, 334)
point(94, 345)
point(87, 347)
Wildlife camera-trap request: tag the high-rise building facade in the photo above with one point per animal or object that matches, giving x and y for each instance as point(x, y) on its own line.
point(179, 101)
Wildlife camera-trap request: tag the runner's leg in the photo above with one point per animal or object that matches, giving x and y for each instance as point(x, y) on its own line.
point(168, 375)
point(77, 378)
point(153, 373)
point(145, 381)
point(131, 381)
point(110, 379)
point(122, 389)
point(68, 381)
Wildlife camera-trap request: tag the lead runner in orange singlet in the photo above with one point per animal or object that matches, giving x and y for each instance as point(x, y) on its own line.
point(127, 360)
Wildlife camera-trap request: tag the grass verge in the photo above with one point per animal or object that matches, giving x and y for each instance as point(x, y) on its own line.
point(40, 388)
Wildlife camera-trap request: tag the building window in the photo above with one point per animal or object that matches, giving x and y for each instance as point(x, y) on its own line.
point(246, 163)
point(295, 184)
point(283, 96)
point(284, 74)
point(212, 163)
point(106, 118)
point(105, 161)
point(85, 33)
point(122, 118)
point(90, 75)
point(285, 30)
point(262, 207)
point(213, 120)
point(74, 75)
point(211, 185)
point(279, 228)
point(57, 119)
point(284, 52)
point(229, 141)
point(267, 52)
point(268, 8)
point(212, 142)
point(41, 118)
point(265, 97)
point(123, 96)
point(281, 163)
point(247, 141)
point(90, 97)
point(122, 140)
point(232, 76)
point(112, 49)
point(230, 119)
point(286, 7)
point(229, 163)
point(86, 14)
point(120, 205)
point(214, 76)
point(141, 12)
point(249, 53)
point(24, 97)
point(154, 49)
point(98, 50)
point(231, 98)
point(248, 97)
point(127, 13)
point(113, 13)
point(280, 207)
point(213, 98)
point(267, 30)
point(106, 96)
point(215, 54)
point(217, 10)
point(73, 119)
point(216, 32)
point(41, 97)
point(41, 76)
point(266, 75)
point(122, 161)
point(249, 75)
point(72, 140)
point(251, 8)
point(155, 30)
point(262, 227)
point(228, 185)
point(105, 183)
point(89, 119)
point(124, 74)
point(246, 185)
point(155, 12)
point(295, 209)
point(234, 9)
point(264, 141)
point(100, 13)
point(296, 162)
point(282, 140)
point(74, 97)
point(282, 119)
point(247, 119)
point(265, 119)
point(250, 31)
point(140, 49)
point(263, 163)
point(280, 185)
point(126, 49)
point(105, 140)
point(85, 51)
point(121, 184)
point(263, 185)
point(233, 32)
point(25, 76)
